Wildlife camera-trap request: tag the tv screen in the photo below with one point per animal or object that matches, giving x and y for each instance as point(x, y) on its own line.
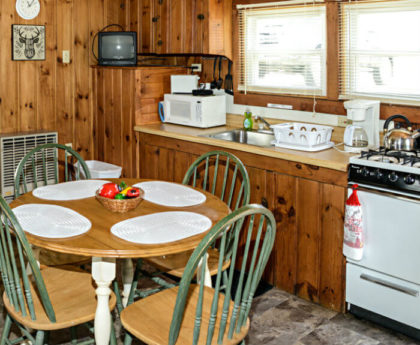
point(117, 48)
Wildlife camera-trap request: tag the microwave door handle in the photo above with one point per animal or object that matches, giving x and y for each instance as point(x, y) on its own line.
point(198, 109)
point(161, 111)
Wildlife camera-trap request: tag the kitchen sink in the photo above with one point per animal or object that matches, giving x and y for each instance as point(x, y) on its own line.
point(242, 136)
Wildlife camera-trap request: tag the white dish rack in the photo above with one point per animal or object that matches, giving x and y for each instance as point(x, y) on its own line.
point(302, 136)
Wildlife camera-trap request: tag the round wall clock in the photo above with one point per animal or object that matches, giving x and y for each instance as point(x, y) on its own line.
point(28, 9)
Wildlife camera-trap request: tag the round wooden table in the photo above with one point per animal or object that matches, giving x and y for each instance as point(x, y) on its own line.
point(100, 244)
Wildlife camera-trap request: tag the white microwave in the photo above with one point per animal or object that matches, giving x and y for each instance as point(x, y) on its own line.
point(195, 111)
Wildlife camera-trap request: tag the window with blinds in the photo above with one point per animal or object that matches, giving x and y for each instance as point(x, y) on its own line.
point(283, 48)
point(380, 50)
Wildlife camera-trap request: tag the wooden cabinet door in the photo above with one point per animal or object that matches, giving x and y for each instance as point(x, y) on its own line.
point(199, 23)
point(208, 27)
point(145, 37)
point(218, 24)
point(150, 19)
point(156, 162)
point(285, 248)
point(182, 161)
point(160, 26)
point(261, 193)
point(183, 26)
point(180, 26)
point(309, 234)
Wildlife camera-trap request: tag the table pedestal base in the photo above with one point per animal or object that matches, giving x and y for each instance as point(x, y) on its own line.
point(103, 272)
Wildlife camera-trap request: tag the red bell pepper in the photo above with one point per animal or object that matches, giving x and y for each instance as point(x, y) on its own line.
point(133, 193)
point(109, 190)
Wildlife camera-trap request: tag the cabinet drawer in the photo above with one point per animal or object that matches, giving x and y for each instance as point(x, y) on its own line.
point(385, 295)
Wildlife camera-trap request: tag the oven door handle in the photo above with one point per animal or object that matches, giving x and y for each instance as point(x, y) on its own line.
point(379, 191)
point(392, 286)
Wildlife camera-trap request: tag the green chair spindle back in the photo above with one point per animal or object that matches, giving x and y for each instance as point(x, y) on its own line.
point(222, 174)
point(36, 166)
point(15, 256)
point(259, 227)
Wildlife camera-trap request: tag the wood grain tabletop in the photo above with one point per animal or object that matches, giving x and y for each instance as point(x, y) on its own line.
point(100, 242)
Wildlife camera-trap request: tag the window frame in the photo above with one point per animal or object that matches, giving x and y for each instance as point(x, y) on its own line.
point(280, 90)
point(329, 104)
point(347, 81)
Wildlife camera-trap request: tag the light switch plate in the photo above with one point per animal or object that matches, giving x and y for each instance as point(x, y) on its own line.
point(66, 56)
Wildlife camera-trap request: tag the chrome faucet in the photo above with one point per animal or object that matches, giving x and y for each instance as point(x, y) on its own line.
point(262, 123)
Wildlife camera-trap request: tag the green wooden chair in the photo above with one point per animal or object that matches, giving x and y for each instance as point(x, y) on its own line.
point(220, 173)
point(42, 164)
point(231, 185)
point(41, 300)
point(195, 314)
point(40, 161)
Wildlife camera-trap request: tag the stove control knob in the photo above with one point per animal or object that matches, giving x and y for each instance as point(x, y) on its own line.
point(409, 179)
point(365, 172)
point(393, 177)
point(379, 174)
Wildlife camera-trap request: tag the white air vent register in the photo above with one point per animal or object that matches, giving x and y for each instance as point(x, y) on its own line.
point(13, 147)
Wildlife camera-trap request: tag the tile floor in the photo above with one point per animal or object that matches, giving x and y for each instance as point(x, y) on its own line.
point(278, 318)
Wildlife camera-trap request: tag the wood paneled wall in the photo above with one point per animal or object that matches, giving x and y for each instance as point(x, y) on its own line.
point(50, 95)
point(122, 98)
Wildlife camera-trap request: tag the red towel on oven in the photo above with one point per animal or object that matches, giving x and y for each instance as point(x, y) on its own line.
point(353, 227)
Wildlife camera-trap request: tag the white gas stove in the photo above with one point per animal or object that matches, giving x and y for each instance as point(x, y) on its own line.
point(385, 284)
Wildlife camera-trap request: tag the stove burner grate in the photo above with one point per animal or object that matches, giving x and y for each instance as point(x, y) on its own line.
point(411, 158)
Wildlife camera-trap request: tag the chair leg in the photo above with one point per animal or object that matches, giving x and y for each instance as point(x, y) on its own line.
point(120, 306)
point(127, 278)
point(73, 333)
point(39, 340)
point(128, 339)
point(113, 340)
point(6, 330)
point(135, 281)
point(47, 338)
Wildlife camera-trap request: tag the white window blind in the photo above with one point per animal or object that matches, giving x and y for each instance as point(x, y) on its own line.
point(283, 48)
point(380, 50)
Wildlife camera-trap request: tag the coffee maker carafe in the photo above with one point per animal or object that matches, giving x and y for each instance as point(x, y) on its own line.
point(364, 114)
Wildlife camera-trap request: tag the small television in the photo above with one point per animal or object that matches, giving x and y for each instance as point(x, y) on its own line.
point(117, 48)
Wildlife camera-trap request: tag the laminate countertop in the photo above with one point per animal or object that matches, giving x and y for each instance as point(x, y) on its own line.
point(330, 158)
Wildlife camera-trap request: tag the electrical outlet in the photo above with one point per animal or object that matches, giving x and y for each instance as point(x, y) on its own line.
point(196, 67)
point(66, 56)
point(69, 145)
point(343, 121)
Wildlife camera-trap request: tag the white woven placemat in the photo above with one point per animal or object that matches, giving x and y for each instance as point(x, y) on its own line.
point(170, 194)
point(51, 221)
point(69, 190)
point(162, 227)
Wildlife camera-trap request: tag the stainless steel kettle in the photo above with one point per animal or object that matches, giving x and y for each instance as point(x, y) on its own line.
point(400, 139)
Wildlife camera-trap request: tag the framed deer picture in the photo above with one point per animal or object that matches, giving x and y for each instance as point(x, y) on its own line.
point(28, 42)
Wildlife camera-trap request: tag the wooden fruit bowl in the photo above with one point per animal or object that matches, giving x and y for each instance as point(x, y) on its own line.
point(120, 206)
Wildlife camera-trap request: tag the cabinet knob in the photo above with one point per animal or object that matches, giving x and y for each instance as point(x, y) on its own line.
point(160, 2)
point(200, 16)
point(264, 202)
point(155, 19)
point(159, 43)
